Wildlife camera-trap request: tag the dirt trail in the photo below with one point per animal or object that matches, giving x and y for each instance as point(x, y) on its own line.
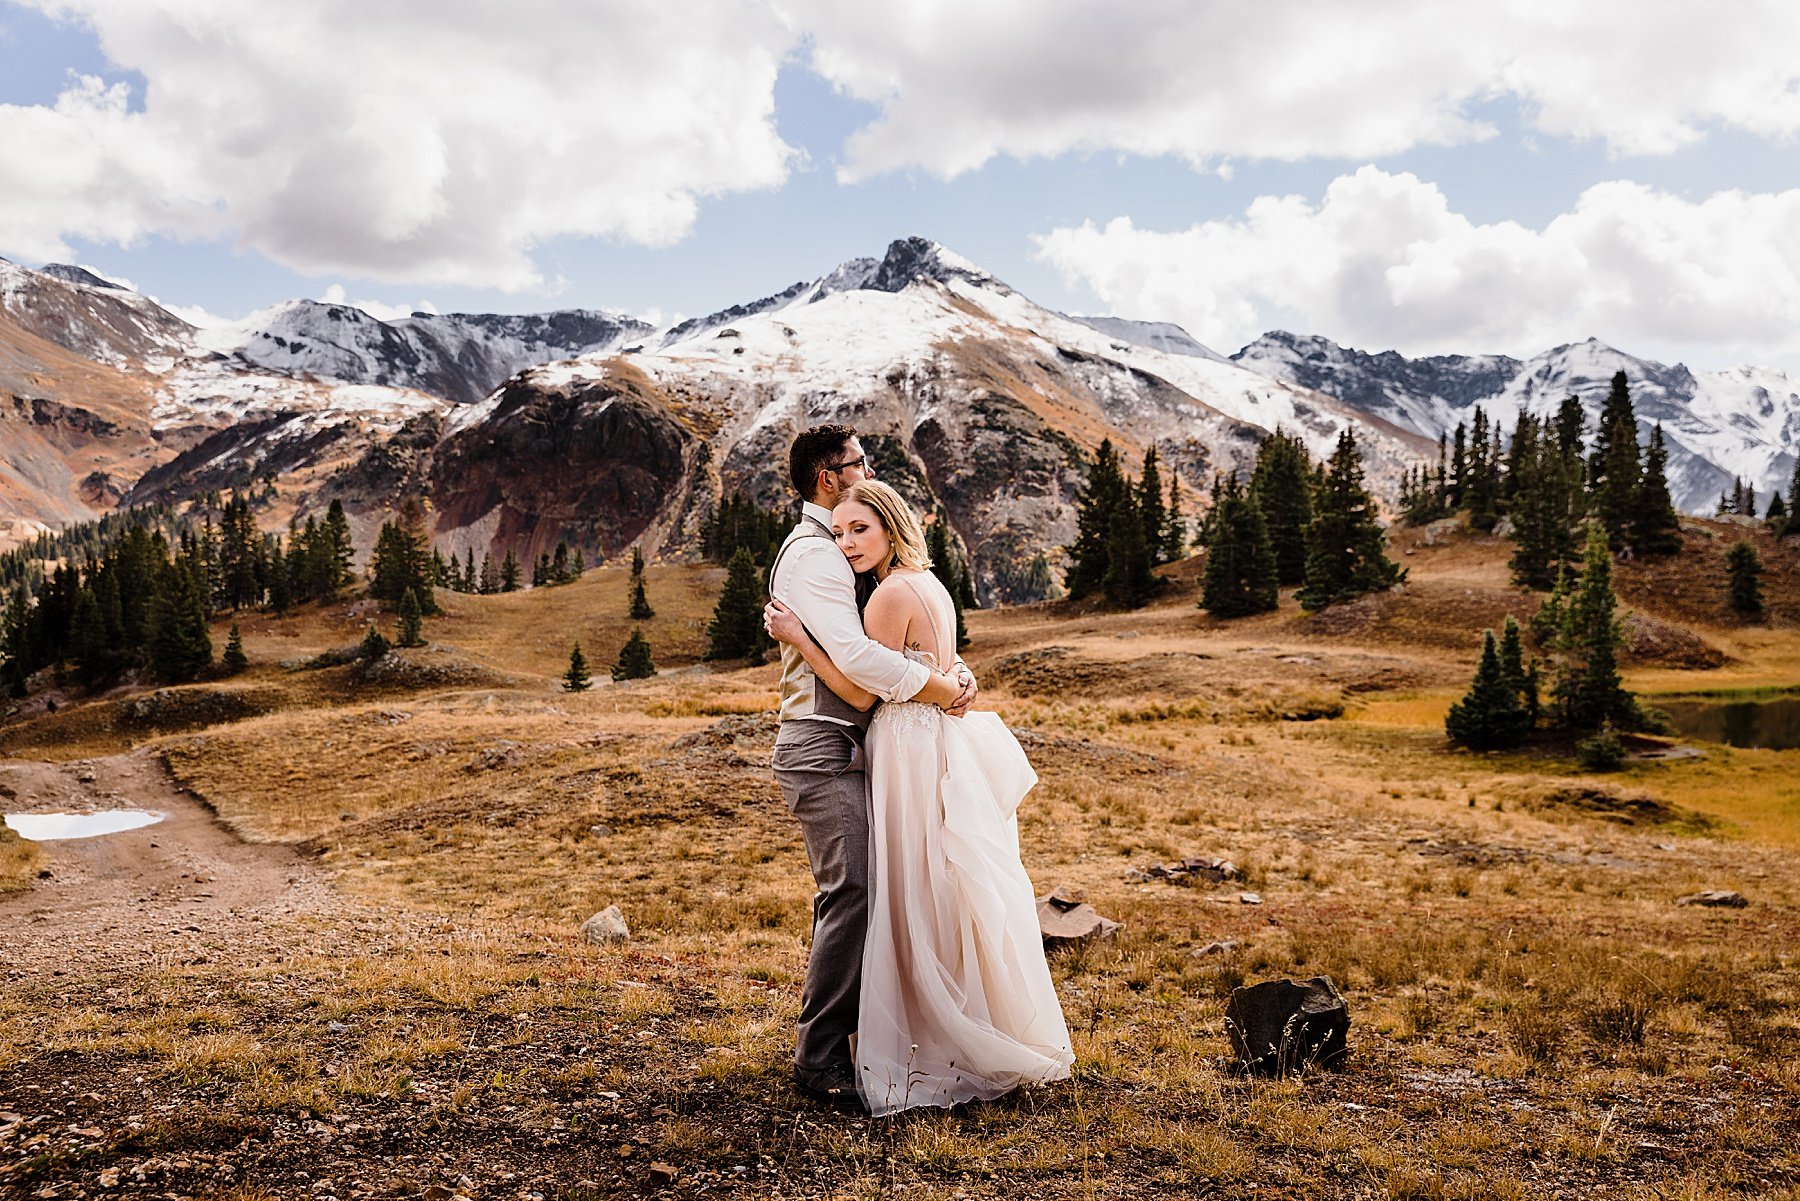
point(173, 892)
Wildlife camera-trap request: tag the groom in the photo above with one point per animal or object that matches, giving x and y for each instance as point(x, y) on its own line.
point(818, 753)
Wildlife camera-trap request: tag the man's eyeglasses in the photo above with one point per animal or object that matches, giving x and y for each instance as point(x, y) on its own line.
point(868, 467)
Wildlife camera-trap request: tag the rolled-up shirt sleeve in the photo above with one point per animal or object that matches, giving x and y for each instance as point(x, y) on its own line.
point(815, 581)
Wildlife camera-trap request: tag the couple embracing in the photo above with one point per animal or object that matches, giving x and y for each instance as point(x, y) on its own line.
point(926, 983)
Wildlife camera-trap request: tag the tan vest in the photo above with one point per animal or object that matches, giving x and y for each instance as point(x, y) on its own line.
point(803, 694)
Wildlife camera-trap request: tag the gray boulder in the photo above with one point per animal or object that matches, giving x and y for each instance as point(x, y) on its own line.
point(1281, 1027)
point(1715, 898)
point(606, 926)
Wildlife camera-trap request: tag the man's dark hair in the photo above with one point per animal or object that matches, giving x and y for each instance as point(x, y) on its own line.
point(815, 450)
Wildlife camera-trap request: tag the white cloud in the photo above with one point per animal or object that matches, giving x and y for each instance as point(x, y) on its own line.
point(1382, 262)
point(958, 83)
point(404, 141)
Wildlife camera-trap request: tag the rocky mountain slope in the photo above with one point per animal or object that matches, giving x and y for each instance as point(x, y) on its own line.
point(601, 429)
point(1718, 424)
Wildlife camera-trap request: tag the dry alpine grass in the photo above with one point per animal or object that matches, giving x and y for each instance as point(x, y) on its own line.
point(1533, 1015)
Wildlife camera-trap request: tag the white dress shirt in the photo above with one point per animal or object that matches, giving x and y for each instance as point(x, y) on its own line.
point(815, 581)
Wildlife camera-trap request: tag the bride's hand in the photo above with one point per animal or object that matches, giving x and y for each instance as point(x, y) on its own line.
point(782, 623)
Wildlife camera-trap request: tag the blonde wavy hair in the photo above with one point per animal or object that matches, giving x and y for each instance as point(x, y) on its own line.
point(897, 520)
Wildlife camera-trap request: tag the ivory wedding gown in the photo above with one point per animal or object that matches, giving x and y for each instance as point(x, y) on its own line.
point(957, 1002)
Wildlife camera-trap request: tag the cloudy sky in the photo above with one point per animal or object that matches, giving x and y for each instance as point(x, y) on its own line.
point(1405, 174)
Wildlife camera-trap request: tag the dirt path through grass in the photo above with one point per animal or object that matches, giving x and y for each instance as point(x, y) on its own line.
point(174, 891)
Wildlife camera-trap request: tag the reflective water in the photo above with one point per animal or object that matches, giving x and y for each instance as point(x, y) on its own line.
point(1772, 724)
point(47, 827)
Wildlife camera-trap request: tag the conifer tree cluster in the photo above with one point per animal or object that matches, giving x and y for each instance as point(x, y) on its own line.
point(1581, 630)
point(1547, 481)
point(1499, 709)
point(1123, 528)
point(741, 523)
point(1740, 501)
point(401, 564)
point(1346, 551)
point(1241, 563)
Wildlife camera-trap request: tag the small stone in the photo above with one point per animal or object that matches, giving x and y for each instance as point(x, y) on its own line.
point(336, 1028)
point(663, 1173)
point(626, 1150)
point(1715, 898)
point(600, 830)
point(437, 1192)
point(1067, 896)
point(1224, 947)
point(1249, 898)
point(606, 926)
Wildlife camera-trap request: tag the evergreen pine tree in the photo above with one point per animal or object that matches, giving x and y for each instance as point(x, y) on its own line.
point(736, 629)
point(943, 566)
point(1616, 468)
point(1792, 525)
point(576, 678)
point(1345, 548)
point(88, 645)
point(1483, 492)
point(1128, 582)
point(1489, 716)
point(337, 551)
point(1240, 559)
point(575, 572)
point(1776, 517)
point(1281, 487)
point(1743, 568)
point(1459, 467)
point(1654, 528)
point(1588, 690)
point(281, 593)
point(634, 659)
point(1174, 543)
point(410, 622)
point(509, 571)
point(180, 646)
point(234, 660)
point(1571, 431)
point(1150, 507)
point(1104, 494)
point(490, 575)
point(640, 602)
point(1512, 657)
point(559, 563)
point(374, 644)
point(1542, 515)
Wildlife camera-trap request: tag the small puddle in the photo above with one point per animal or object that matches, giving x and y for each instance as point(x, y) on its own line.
point(48, 827)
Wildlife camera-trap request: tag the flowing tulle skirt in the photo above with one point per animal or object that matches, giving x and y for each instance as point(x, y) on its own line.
point(957, 1001)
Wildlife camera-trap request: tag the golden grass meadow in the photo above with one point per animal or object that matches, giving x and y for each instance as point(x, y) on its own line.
point(410, 1010)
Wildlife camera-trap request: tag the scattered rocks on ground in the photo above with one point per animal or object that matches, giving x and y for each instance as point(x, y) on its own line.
point(1249, 898)
point(1204, 869)
point(1064, 920)
point(1715, 898)
point(606, 926)
point(1280, 1027)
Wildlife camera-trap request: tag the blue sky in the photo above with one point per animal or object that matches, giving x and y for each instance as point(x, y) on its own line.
point(1390, 176)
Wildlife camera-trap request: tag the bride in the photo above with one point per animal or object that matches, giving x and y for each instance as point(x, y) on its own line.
point(957, 1003)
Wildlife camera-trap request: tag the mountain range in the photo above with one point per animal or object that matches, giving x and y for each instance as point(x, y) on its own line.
point(604, 430)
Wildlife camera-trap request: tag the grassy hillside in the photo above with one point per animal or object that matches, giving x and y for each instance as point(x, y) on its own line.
point(1533, 1014)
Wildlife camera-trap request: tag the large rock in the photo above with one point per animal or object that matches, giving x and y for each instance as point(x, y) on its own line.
point(1064, 919)
point(606, 926)
point(1281, 1027)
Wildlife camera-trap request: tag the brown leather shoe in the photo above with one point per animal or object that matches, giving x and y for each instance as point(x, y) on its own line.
point(833, 1085)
